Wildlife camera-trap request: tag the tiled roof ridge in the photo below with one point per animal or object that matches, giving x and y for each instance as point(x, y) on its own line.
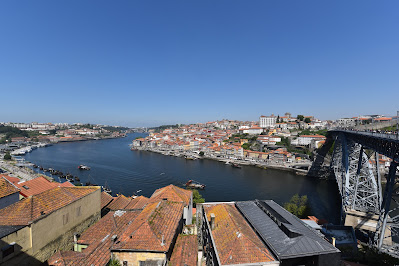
point(5, 178)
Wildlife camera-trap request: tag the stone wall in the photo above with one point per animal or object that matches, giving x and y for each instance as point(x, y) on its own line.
point(65, 241)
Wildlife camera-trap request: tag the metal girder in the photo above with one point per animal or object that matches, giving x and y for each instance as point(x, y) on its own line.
point(355, 177)
point(360, 183)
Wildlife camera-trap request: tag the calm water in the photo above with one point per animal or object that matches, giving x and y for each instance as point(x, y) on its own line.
point(126, 171)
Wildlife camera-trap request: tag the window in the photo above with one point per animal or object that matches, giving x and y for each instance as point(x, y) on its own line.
point(65, 218)
point(7, 250)
point(78, 213)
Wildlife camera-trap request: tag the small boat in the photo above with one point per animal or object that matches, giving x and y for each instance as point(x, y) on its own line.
point(83, 167)
point(106, 189)
point(236, 165)
point(35, 166)
point(194, 184)
point(77, 178)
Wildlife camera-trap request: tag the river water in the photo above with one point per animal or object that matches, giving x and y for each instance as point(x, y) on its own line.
point(125, 171)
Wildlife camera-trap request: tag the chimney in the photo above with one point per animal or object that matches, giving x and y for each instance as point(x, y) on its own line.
point(163, 241)
point(333, 241)
point(212, 221)
point(114, 238)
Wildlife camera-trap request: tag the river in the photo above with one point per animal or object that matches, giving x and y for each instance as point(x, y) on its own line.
point(125, 171)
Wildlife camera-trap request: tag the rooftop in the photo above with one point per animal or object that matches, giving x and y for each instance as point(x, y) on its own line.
point(36, 185)
point(6, 188)
point(185, 251)
point(235, 241)
point(30, 209)
point(153, 229)
point(285, 234)
point(172, 193)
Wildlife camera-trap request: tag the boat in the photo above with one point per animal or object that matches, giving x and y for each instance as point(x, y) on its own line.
point(235, 165)
point(194, 184)
point(83, 167)
point(107, 189)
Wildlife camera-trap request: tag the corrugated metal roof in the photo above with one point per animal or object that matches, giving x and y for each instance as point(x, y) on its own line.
point(286, 235)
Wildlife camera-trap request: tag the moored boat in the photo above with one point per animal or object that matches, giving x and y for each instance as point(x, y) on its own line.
point(83, 167)
point(195, 184)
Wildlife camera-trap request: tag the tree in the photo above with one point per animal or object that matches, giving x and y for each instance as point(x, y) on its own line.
point(298, 206)
point(201, 153)
point(246, 146)
point(307, 120)
point(197, 198)
point(7, 156)
point(300, 117)
point(278, 119)
point(114, 262)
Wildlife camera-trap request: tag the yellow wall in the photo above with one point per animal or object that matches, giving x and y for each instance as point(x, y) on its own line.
point(51, 227)
point(134, 258)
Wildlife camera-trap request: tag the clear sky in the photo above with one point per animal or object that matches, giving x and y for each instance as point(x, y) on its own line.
point(145, 63)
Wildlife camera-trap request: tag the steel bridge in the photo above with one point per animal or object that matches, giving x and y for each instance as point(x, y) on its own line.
point(360, 182)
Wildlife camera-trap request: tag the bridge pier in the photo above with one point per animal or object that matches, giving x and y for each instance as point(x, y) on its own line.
point(368, 222)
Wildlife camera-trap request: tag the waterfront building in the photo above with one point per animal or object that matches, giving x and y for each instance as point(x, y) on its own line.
point(267, 121)
point(32, 229)
point(260, 232)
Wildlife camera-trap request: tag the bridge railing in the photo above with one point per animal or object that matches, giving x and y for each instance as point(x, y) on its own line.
point(394, 135)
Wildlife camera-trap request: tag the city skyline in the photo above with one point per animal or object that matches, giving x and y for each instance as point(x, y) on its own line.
point(147, 64)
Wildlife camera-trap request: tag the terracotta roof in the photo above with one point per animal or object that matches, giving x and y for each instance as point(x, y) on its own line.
point(119, 202)
point(6, 188)
point(158, 221)
point(29, 209)
point(99, 240)
point(105, 199)
point(172, 193)
point(236, 242)
point(63, 258)
point(137, 203)
point(36, 185)
point(185, 251)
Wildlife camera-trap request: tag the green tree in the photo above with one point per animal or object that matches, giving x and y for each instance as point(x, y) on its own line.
point(114, 262)
point(298, 206)
point(278, 119)
point(307, 120)
point(300, 117)
point(7, 156)
point(246, 146)
point(197, 198)
point(201, 153)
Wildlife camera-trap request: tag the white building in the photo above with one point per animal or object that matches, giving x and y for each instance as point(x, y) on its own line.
point(305, 140)
point(267, 121)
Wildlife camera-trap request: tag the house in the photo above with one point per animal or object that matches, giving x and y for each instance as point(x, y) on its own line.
point(150, 237)
point(36, 185)
point(175, 194)
point(93, 245)
point(35, 227)
point(228, 239)
point(9, 193)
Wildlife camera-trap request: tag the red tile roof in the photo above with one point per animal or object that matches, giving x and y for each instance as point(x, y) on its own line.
point(6, 188)
point(137, 203)
point(236, 242)
point(36, 185)
point(172, 193)
point(119, 202)
point(158, 221)
point(29, 209)
point(105, 199)
point(185, 251)
point(99, 240)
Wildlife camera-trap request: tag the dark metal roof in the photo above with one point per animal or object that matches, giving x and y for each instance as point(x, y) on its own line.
point(286, 235)
point(5, 230)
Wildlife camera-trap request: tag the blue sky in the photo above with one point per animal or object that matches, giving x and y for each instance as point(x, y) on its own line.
point(145, 63)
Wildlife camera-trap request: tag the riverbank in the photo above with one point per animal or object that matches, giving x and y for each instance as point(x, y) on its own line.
point(263, 165)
